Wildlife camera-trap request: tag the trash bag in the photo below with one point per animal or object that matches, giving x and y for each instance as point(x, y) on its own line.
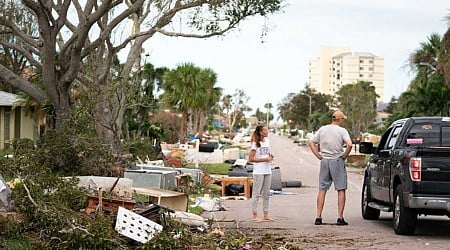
point(234, 189)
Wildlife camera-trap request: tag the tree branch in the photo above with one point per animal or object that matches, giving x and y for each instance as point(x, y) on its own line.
point(32, 90)
point(23, 51)
point(33, 41)
point(27, 190)
point(192, 35)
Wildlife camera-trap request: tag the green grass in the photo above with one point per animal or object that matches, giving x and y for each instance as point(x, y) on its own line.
point(212, 168)
point(216, 168)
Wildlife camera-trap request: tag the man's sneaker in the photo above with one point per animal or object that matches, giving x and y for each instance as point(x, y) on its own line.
point(318, 221)
point(341, 222)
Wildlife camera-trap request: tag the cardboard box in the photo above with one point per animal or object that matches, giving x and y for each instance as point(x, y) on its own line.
point(166, 198)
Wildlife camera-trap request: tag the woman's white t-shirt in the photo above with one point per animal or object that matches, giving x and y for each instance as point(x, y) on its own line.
point(261, 152)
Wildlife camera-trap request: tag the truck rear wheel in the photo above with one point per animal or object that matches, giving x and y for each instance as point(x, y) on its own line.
point(368, 213)
point(405, 219)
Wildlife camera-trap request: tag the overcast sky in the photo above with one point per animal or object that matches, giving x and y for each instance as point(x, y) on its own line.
point(268, 71)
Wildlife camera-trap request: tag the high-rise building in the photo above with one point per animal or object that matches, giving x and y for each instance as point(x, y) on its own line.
point(338, 66)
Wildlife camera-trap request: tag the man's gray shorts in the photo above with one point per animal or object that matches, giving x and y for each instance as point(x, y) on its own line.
point(332, 170)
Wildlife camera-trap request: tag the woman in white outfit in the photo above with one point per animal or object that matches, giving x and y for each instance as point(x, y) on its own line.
point(261, 157)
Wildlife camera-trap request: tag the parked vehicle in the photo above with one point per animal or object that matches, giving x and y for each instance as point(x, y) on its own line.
point(408, 173)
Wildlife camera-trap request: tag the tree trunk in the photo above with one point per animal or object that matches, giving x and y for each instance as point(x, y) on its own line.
point(107, 125)
point(183, 129)
point(201, 122)
point(196, 121)
point(62, 111)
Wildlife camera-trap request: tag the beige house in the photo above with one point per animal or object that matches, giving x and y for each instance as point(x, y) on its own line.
point(14, 124)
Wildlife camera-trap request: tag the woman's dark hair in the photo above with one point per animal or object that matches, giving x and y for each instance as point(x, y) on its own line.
point(256, 136)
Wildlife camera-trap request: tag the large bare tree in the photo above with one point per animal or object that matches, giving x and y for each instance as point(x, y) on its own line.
point(79, 40)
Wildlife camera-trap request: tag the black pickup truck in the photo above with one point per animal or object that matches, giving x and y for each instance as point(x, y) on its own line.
point(408, 173)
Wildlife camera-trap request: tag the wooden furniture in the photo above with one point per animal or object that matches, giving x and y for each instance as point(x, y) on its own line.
point(246, 181)
point(167, 198)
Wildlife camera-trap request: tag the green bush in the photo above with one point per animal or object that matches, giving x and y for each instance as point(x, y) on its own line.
point(143, 148)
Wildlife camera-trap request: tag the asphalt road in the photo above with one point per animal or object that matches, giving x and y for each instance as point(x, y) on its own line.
point(294, 213)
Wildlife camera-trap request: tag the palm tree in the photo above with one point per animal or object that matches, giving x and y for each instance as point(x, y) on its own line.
point(444, 57)
point(209, 96)
point(180, 90)
point(284, 108)
point(427, 55)
point(429, 91)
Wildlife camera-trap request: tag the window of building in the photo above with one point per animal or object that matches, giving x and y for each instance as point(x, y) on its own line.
point(338, 76)
point(361, 68)
point(370, 75)
point(361, 61)
point(370, 68)
point(361, 75)
point(370, 61)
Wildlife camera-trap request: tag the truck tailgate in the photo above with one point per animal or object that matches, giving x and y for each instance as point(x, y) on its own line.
point(436, 173)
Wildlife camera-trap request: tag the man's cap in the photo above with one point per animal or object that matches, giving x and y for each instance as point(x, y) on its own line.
point(339, 115)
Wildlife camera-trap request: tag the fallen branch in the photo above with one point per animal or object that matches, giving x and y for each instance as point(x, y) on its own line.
point(28, 191)
point(74, 227)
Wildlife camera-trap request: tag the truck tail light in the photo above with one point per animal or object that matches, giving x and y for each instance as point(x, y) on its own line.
point(415, 168)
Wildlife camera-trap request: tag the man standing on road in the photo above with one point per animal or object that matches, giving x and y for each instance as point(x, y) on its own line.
point(327, 145)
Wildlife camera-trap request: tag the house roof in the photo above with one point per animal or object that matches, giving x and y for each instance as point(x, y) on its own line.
point(7, 99)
